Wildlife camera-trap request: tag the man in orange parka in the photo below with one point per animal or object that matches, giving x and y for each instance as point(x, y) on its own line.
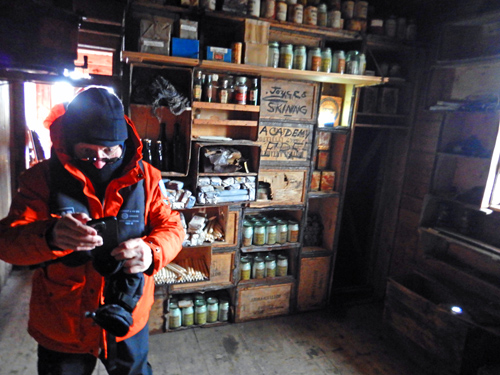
point(95, 171)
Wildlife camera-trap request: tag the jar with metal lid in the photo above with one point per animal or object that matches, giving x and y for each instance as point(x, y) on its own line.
point(282, 231)
point(223, 310)
point(299, 57)
point(314, 59)
point(293, 231)
point(326, 60)
point(174, 316)
point(270, 265)
point(271, 230)
point(281, 10)
point(241, 89)
point(286, 56)
point(212, 309)
point(247, 234)
point(259, 233)
point(298, 14)
point(273, 58)
point(259, 268)
point(282, 265)
point(245, 268)
point(322, 14)
point(352, 62)
point(311, 15)
point(200, 312)
point(338, 62)
point(187, 316)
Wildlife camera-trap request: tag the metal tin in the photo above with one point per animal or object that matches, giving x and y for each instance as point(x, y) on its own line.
point(281, 10)
point(333, 19)
point(347, 9)
point(298, 13)
point(269, 9)
point(361, 9)
point(236, 52)
point(289, 13)
point(322, 15)
point(273, 59)
point(314, 59)
point(299, 58)
point(253, 8)
point(311, 15)
point(241, 89)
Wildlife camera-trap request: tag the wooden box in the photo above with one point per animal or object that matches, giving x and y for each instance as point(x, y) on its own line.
point(255, 54)
point(262, 301)
point(286, 186)
point(254, 31)
point(427, 322)
point(314, 283)
point(288, 100)
point(157, 314)
point(221, 273)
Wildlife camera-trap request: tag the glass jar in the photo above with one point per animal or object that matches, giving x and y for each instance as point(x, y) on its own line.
point(212, 309)
point(187, 316)
point(259, 234)
point(286, 56)
point(352, 62)
point(314, 59)
point(271, 230)
point(322, 15)
point(223, 310)
point(282, 231)
point(245, 268)
point(282, 266)
point(326, 60)
point(293, 231)
point(270, 265)
point(299, 58)
point(241, 90)
point(273, 58)
point(338, 62)
point(253, 92)
point(174, 316)
point(247, 234)
point(200, 312)
point(259, 268)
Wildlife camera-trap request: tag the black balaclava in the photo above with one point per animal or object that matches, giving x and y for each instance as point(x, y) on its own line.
point(96, 116)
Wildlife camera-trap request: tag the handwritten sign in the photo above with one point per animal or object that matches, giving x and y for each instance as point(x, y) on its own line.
point(284, 143)
point(286, 100)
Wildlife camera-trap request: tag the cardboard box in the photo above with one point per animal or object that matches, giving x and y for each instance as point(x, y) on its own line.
point(327, 180)
point(255, 54)
point(315, 180)
point(186, 48)
point(254, 31)
point(219, 54)
point(330, 108)
point(186, 29)
point(324, 139)
point(322, 160)
point(155, 34)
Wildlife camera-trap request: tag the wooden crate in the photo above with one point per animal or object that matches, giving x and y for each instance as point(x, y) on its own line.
point(314, 283)
point(221, 273)
point(418, 311)
point(288, 100)
point(157, 314)
point(287, 187)
point(256, 302)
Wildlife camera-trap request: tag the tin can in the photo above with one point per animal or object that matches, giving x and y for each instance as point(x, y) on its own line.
point(241, 90)
point(333, 19)
point(282, 266)
point(311, 15)
point(322, 15)
point(289, 13)
point(361, 9)
point(236, 52)
point(253, 8)
point(269, 9)
point(314, 59)
point(299, 58)
point(281, 10)
point(298, 13)
point(347, 9)
point(273, 58)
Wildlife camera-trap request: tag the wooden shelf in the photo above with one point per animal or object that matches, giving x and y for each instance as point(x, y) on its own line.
point(278, 246)
point(236, 174)
point(226, 107)
point(323, 194)
point(209, 122)
point(263, 71)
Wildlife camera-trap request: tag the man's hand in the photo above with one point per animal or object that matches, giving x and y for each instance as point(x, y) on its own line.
point(70, 232)
point(136, 253)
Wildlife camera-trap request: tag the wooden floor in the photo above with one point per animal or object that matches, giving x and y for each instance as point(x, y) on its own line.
point(345, 341)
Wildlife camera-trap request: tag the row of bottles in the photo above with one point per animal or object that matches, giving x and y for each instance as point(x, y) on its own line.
point(260, 266)
point(196, 309)
point(288, 56)
point(225, 89)
point(168, 155)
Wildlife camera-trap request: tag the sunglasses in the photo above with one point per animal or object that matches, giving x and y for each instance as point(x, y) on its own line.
point(92, 159)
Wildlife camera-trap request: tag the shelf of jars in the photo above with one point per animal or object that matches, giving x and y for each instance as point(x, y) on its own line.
point(295, 74)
